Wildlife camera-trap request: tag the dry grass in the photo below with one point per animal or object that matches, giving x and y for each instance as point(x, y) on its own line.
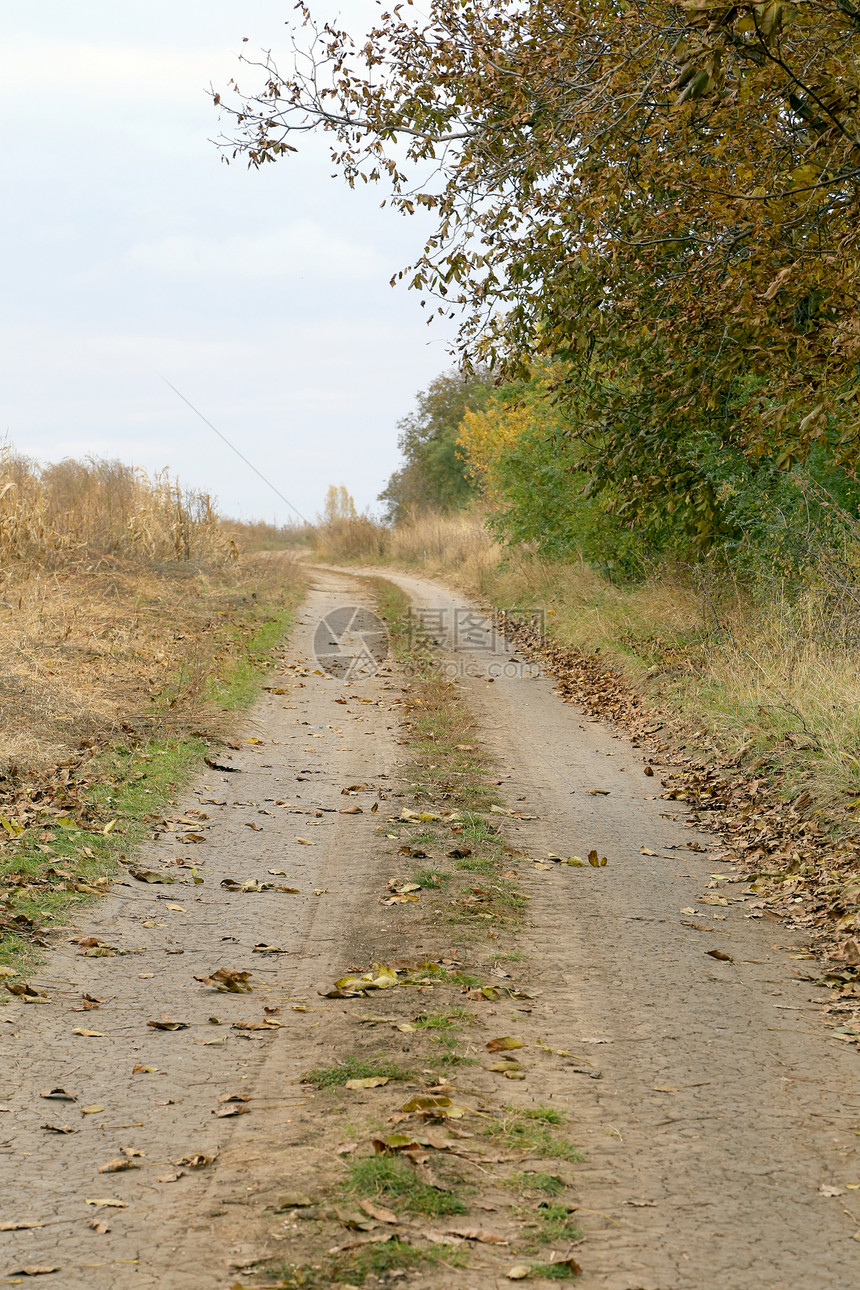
point(119, 594)
point(766, 679)
point(259, 535)
point(48, 513)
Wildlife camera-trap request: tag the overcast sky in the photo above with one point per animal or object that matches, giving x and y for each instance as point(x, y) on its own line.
point(130, 250)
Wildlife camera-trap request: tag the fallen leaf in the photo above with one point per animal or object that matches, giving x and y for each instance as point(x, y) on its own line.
point(91, 1034)
point(351, 810)
point(59, 1095)
point(95, 1109)
point(503, 1044)
point(293, 1200)
point(167, 1024)
point(196, 1161)
point(117, 1166)
point(224, 1111)
point(718, 954)
point(169, 1178)
point(108, 1203)
point(595, 860)
point(826, 1190)
point(59, 1128)
point(268, 1024)
point(215, 765)
point(23, 1225)
point(151, 875)
point(476, 1234)
point(139, 1069)
point(33, 1270)
point(22, 990)
point(372, 1081)
point(89, 1003)
point(377, 1211)
point(519, 1272)
point(101, 1228)
point(226, 980)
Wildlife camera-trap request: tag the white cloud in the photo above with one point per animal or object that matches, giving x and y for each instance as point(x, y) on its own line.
point(301, 249)
point(93, 71)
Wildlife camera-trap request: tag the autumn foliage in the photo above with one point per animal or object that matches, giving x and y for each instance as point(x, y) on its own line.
point(663, 197)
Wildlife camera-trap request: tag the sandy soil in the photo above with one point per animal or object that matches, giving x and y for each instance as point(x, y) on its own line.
point(719, 1115)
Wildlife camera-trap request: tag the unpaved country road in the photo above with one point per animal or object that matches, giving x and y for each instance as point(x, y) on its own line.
point(723, 1107)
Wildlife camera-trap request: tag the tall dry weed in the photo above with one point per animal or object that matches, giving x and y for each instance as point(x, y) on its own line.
point(101, 507)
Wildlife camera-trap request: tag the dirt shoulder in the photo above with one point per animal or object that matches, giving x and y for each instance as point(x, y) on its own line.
point(675, 1043)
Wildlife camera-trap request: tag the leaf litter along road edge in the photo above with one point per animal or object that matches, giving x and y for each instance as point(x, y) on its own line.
point(475, 1133)
point(798, 871)
point(93, 812)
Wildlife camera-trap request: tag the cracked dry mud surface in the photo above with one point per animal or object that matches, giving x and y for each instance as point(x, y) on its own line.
point(723, 1103)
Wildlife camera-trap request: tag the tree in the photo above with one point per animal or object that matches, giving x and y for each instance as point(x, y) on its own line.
point(665, 196)
point(435, 473)
point(338, 505)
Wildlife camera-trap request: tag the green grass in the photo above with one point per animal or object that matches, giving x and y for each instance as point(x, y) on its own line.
point(355, 1068)
point(430, 879)
point(396, 1181)
point(548, 1184)
point(546, 1114)
point(552, 1272)
point(556, 1225)
point(130, 782)
point(444, 1021)
point(397, 1255)
point(238, 686)
point(532, 1131)
point(354, 1268)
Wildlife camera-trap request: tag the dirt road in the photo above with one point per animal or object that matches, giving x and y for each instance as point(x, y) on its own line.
point(721, 1134)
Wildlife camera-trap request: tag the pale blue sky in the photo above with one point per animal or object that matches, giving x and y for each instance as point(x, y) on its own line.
point(129, 249)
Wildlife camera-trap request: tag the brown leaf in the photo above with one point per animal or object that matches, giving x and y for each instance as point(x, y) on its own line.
point(216, 765)
point(718, 954)
point(97, 1226)
point(59, 1095)
point(22, 1225)
point(469, 1233)
point(376, 1211)
point(503, 1044)
point(225, 979)
point(33, 1270)
point(117, 1166)
point(59, 1128)
point(167, 1024)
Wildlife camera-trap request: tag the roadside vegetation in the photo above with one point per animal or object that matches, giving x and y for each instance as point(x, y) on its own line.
point(444, 1167)
point(133, 631)
point(659, 271)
